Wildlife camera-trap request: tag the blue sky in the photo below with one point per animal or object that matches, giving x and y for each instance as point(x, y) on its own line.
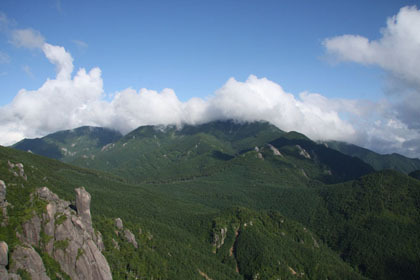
point(194, 47)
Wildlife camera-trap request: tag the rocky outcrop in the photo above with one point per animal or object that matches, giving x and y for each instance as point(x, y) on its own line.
point(275, 151)
point(27, 258)
point(17, 170)
point(219, 237)
point(83, 207)
point(119, 223)
point(68, 236)
point(3, 204)
point(4, 261)
point(4, 250)
point(128, 235)
point(2, 193)
point(31, 231)
point(303, 152)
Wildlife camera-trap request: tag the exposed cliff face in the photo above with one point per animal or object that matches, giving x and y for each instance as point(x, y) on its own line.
point(64, 234)
point(27, 259)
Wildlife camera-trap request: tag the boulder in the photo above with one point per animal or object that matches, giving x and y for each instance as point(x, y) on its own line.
point(119, 223)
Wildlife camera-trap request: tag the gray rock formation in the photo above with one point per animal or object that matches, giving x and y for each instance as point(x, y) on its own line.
point(17, 170)
point(303, 152)
point(83, 207)
point(129, 236)
point(3, 203)
point(4, 274)
point(27, 258)
point(31, 231)
point(4, 250)
point(119, 223)
point(275, 151)
point(2, 193)
point(70, 238)
point(219, 237)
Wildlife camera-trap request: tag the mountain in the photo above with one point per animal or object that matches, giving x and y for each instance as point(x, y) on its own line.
point(69, 144)
point(377, 161)
point(229, 200)
point(154, 153)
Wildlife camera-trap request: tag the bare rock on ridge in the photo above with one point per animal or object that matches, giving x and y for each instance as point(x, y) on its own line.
point(71, 240)
point(83, 207)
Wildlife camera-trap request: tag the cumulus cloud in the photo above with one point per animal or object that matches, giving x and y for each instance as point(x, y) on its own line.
point(70, 101)
point(261, 99)
point(397, 52)
point(60, 58)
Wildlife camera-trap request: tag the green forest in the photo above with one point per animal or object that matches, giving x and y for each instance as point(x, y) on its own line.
point(225, 200)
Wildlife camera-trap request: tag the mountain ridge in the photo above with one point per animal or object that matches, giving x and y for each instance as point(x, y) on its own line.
point(61, 145)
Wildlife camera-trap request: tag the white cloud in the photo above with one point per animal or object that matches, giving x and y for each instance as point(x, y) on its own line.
point(261, 99)
point(67, 102)
point(396, 51)
point(61, 59)
point(27, 38)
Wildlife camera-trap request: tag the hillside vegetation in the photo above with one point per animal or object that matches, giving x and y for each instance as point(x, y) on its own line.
point(227, 200)
point(377, 161)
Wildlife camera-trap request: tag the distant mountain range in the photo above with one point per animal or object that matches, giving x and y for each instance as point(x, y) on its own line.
point(80, 144)
point(377, 161)
point(228, 200)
